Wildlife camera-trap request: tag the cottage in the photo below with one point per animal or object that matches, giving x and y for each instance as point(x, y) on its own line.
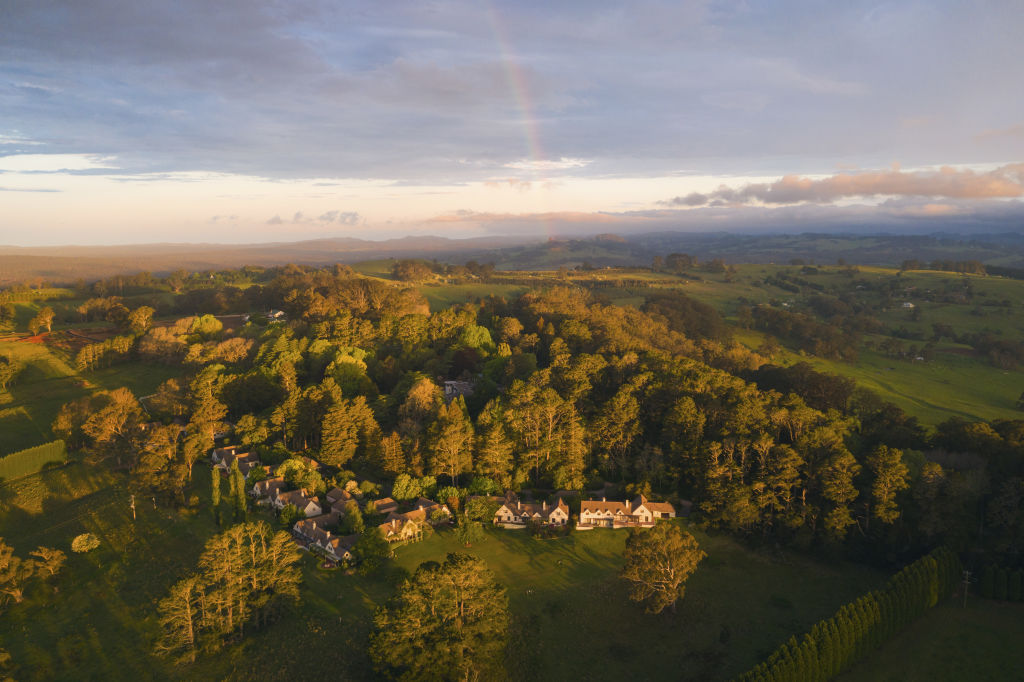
point(217, 454)
point(519, 514)
point(337, 495)
point(385, 505)
point(411, 524)
point(264, 491)
point(453, 389)
point(300, 499)
point(317, 538)
point(398, 528)
point(640, 513)
point(247, 461)
point(309, 527)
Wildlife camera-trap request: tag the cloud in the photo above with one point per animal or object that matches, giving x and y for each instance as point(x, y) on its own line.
point(54, 163)
point(514, 183)
point(276, 220)
point(1000, 133)
point(547, 165)
point(1001, 183)
point(340, 217)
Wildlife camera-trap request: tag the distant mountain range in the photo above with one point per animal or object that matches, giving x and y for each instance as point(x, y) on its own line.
point(70, 263)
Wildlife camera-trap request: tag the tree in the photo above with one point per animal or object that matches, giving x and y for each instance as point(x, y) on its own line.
point(140, 320)
point(352, 522)
point(49, 559)
point(451, 440)
point(86, 542)
point(469, 530)
point(371, 549)
point(245, 574)
point(215, 492)
point(9, 369)
point(44, 318)
point(658, 562)
point(890, 478)
point(14, 573)
point(448, 622)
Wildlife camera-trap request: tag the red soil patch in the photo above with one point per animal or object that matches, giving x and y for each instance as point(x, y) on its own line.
point(38, 338)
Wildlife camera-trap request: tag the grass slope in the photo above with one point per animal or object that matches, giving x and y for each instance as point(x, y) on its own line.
point(28, 407)
point(952, 643)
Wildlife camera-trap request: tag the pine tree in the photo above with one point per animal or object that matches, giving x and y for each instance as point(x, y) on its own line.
point(1002, 583)
point(1013, 592)
point(215, 492)
point(987, 586)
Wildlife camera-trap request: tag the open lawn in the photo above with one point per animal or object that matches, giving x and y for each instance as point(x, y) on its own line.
point(444, 296)
point(28, 407)
point(572, 616)
point(951, 643)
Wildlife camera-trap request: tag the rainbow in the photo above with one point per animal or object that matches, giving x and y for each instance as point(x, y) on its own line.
point(516, 81)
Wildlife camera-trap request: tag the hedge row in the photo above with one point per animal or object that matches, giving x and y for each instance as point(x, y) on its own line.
point(31, 461)
point(1002, 584)
point(859, 627)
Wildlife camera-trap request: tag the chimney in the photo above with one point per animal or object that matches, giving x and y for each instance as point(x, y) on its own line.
point(314, 525)
point(544, 505)
point(602, 499)
point(627, 505)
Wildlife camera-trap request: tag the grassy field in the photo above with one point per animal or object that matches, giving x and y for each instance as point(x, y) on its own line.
point(28, 407)
point(570, 611)
point(951, 643)
point(444, 296)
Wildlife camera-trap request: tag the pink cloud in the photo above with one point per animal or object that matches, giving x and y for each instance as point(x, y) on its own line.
point(950, 183)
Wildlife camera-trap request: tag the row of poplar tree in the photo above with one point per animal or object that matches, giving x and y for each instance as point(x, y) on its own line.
point(860, 626)
point(1000, 583)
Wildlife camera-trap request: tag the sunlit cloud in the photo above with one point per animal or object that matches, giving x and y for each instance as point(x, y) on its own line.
point(547, 165)
point(1001, 183)
point(54, 163)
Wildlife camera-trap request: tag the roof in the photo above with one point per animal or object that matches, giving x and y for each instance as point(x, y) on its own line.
point(604, 506)
point(268, 485)
point(534, 509)
point(654, 506)
point(337, 494)
point(297, 497)
point(385, 504)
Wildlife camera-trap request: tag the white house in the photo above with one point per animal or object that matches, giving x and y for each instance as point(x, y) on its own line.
point(641, 513)
point(300, 499)
point(518, 514)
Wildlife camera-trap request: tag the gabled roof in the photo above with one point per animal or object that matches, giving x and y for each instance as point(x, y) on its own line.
point(604, 507)
point(338, 495)
point(653, 506)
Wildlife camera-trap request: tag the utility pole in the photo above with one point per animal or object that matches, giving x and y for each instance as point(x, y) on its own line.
point(133, 506)
point(967, 581)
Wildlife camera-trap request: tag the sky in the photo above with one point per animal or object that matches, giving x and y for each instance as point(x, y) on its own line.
point(235, 121)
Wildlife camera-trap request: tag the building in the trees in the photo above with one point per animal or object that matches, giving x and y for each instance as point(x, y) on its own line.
point(315, 535)
point(337, 497)
point(300, 500)
point(409, 525)
point(265, 491)
point(516, 514)
point(453, 389)
point(640, 513)
point(385, 505)
point(223, 457)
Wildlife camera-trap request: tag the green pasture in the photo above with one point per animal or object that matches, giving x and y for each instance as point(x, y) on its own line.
point(446, 295)
point(49, 380)
point(951, 643)
point(96, 620)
